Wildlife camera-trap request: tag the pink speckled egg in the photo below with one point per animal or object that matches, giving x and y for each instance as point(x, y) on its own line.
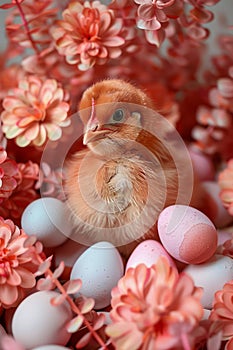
point(148, 252)
point(187, 234)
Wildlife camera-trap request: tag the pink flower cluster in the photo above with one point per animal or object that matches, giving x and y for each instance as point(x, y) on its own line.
point(154, 308)
point(17, 264)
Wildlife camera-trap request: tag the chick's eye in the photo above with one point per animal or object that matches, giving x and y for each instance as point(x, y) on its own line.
point(118, 115)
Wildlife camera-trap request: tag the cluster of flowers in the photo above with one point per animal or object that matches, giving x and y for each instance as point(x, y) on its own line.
point(55, 51)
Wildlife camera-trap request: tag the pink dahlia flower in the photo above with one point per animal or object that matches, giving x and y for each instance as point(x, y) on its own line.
point(154, 308)
point(8, 171)
point(16, 264)
point(225, 181)
point(223, 310)
point(89, 34)
point(24, 193)
point(35, 112)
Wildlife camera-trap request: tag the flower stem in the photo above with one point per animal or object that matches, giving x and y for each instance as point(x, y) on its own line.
point(185, 341)
point(25, 23)
point(75, 308)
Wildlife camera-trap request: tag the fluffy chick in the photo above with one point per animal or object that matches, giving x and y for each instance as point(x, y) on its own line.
point(133, 166)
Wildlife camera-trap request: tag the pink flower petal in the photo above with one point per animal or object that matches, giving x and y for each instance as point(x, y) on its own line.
point(27, 277)
point(74, 325)
point(14, 279)
point(147, 11)
point(8, 294)
point(54, 131)
point(201, 15)
point(225, 87)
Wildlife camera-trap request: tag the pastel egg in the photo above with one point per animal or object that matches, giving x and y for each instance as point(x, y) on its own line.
point(99, 267)
point(37, 322)
point(216, 211)
point(211, 276)
point(187, 234)
point(202, 165)
point(46, 218)
point(148, 252)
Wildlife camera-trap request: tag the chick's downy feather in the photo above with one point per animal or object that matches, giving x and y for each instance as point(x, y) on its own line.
point(132, 167)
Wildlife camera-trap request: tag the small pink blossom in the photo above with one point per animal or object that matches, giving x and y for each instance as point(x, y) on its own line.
point(16, 264)
point(153, 308)
point(35, 112)
point(8, 172)
point(225, 181)
point(24, 192)
point(154, 16)
point(89, 34)
point(223, 312)
point(50, 182)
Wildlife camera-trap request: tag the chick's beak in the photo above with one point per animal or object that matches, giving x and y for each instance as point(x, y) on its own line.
point(94, 133)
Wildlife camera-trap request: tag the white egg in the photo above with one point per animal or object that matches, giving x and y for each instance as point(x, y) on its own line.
point(37, 322)
point(211, 276)
point(51, 347)
point(99, 267)
point(47, 219)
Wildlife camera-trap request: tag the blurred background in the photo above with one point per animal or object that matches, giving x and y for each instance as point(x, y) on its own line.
point(223, 16)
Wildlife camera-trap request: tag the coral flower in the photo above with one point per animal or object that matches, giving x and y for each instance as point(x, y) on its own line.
point(8, 171)
point(223, 310)
point(88, 34)
point(154, 308)
point(225, 181)
point(16, 274)
point(35, 112)
point(153, 17)
point(24, 193)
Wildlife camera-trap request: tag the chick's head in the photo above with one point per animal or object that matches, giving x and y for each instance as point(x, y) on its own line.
point(112, 114)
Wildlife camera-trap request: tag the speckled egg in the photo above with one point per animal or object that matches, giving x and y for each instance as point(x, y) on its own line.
point(187, 234)
point(148, 252)
point(100, 267)
point(211, 276)
point(46, 218)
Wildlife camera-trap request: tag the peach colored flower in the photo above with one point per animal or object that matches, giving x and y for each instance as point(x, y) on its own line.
point(153, 308)
point(24, 192)
point(225, 181)
point(16, 274)
point(153, 17)
point(8, 171)
point(223, 310)
point(35, 112)
point(89, 34)
point(50, 182)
